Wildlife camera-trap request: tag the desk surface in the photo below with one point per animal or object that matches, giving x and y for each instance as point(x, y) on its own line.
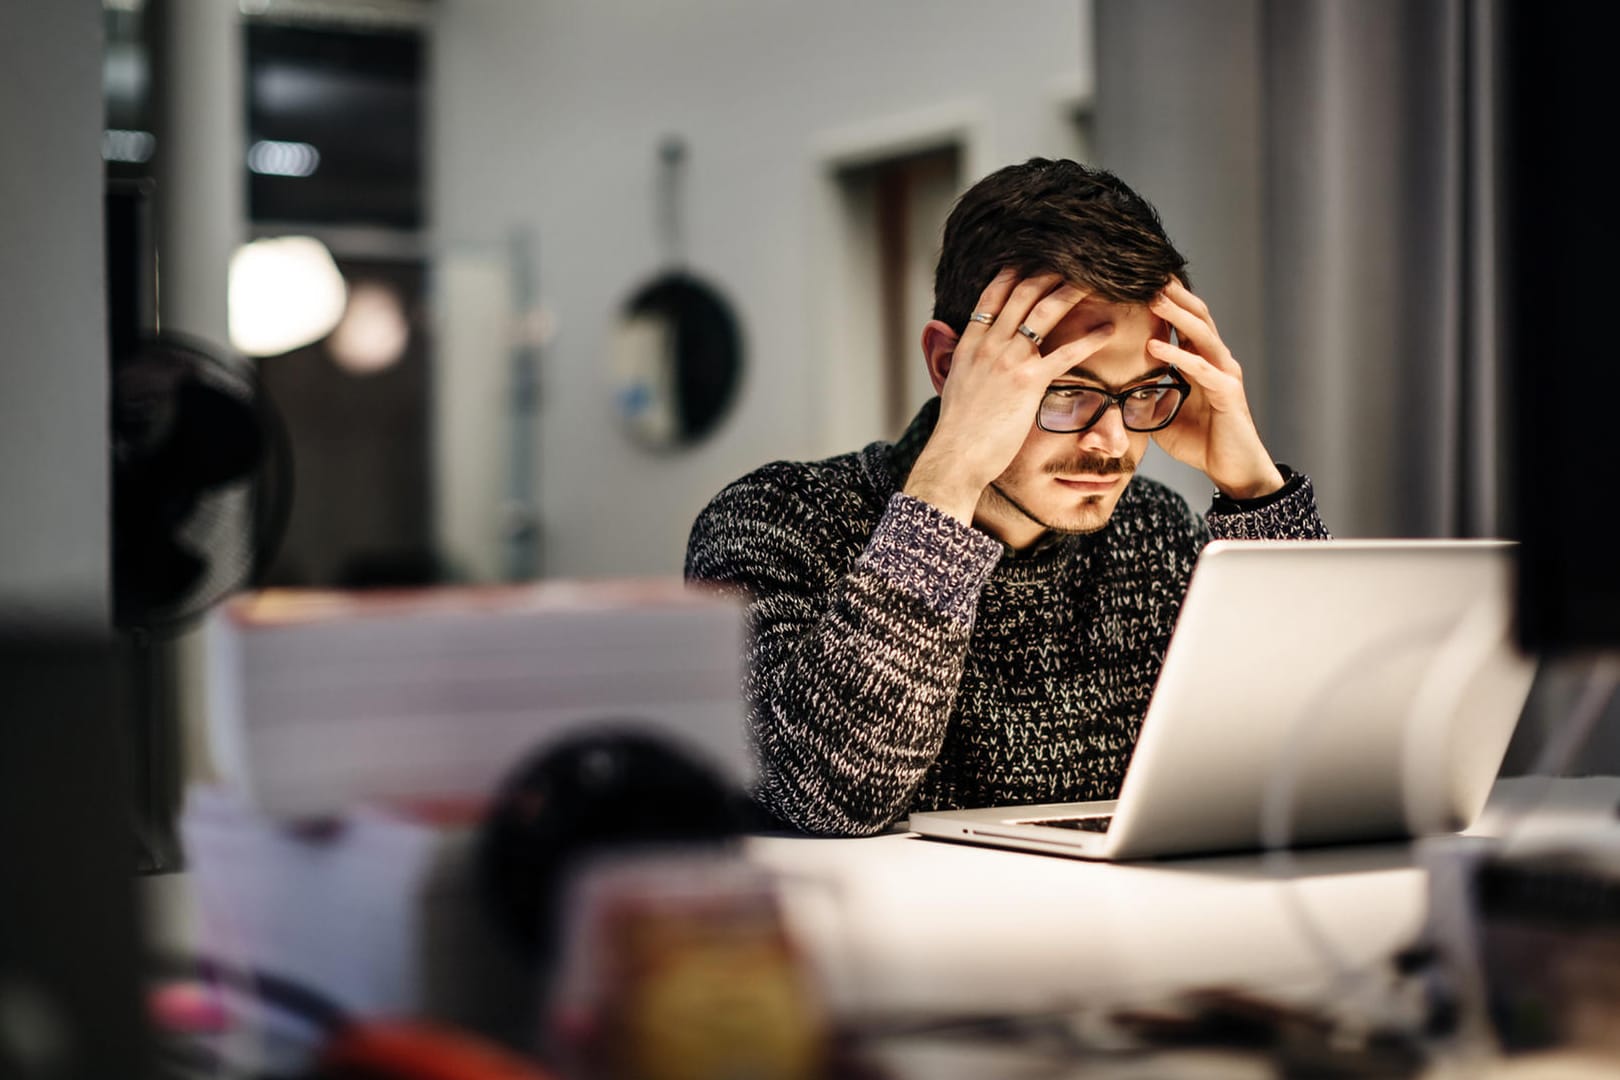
point(905, 925)
point(900, 928)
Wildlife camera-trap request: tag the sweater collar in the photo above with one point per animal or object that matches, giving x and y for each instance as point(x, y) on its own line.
point(908, 447)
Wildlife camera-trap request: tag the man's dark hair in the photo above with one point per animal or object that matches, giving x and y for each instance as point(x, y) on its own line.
point(1049, 216)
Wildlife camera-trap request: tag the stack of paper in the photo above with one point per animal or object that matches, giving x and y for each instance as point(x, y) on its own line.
point(323, 700)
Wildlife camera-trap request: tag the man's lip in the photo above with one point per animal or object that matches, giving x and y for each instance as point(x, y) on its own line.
point(1085, 482)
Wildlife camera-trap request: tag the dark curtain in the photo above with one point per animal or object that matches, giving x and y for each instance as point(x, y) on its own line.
point(1333, 171)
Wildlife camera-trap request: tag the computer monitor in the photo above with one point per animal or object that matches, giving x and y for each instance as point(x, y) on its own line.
point(1560, 293)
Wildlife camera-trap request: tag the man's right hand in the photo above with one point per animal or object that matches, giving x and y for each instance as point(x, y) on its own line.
point(993, 388)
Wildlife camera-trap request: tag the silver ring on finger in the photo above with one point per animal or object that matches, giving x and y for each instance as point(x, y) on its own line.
point(982, 317)
point(1024, 328)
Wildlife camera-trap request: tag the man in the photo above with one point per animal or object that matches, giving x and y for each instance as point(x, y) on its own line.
point(976, 614)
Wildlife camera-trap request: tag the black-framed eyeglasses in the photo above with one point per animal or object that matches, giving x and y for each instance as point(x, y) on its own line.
point(1069, 409)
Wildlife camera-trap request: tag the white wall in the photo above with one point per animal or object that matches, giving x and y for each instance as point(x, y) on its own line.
point(53, 346)
point(548, 116)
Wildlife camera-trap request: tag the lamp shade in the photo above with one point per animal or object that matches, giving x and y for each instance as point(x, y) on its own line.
point(285, 292)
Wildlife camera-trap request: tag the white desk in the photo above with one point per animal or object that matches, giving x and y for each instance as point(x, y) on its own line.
point(388, 919)
point(904, 925)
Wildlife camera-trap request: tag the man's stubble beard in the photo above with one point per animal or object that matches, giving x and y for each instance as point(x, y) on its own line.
point(998, 496)
point(1084, 464)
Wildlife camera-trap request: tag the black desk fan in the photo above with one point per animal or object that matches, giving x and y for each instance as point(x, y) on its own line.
point(201, 482)
point(201, 479)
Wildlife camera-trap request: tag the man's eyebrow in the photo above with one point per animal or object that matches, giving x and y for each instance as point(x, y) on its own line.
point(1079, 372)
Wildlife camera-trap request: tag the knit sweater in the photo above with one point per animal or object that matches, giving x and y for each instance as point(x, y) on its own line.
point(900, 660)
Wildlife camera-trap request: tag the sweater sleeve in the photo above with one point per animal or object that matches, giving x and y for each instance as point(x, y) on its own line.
point(852, 669)
point(1288, 513)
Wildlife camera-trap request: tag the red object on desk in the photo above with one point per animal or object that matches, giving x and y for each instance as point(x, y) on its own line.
point(190, 1007)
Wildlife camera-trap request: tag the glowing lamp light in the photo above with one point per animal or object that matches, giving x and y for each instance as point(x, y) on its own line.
point(374, 332)
point(284, 293)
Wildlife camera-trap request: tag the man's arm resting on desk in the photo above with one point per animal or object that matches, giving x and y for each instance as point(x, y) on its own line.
point(852, 671)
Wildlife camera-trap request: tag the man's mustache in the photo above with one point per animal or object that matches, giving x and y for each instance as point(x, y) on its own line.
point(1091, 465)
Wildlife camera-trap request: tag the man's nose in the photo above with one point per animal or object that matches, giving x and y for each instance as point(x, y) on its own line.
point(1108, 435)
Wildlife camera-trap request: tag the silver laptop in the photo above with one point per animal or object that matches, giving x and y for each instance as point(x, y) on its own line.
point(1313, 692)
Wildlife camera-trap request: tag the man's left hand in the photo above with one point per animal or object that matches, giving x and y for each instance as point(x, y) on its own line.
point(1214, 431)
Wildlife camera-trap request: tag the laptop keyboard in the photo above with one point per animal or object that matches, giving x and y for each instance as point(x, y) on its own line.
point(1093, 823)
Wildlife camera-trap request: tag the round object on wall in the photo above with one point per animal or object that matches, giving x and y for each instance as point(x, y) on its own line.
point(677, 360)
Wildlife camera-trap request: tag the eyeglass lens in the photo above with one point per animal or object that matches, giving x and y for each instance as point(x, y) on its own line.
point(1075, 408)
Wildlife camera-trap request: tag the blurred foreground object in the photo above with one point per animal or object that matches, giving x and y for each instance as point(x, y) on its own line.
point(201, 481)
point(1550, 947)
point(396, 1050)
point(201, 478)
point(618, 786)
point(1525, 924)
point(1549, 944)
point(679, 966)
point(69, 924)
point(383, 915)
point(428, 697)
point(363, 737)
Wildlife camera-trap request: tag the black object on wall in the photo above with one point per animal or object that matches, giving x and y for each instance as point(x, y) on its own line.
point(705, 353)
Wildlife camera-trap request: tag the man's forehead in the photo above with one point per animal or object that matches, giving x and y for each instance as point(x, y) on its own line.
point(1148, 373)
point(1131, 321)
point(1092, 312)
point(1124, 360)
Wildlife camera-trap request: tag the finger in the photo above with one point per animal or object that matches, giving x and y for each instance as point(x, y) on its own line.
point(991, 300)
point(1191, 328)
point(1199, 371)
point(1054, 307)
point(1025, 296)
point(994, 296)
point(1195, 332)
point(1073, 355)
point(1190, 300)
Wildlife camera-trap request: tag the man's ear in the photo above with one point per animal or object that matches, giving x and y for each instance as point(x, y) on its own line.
point(939, 346)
